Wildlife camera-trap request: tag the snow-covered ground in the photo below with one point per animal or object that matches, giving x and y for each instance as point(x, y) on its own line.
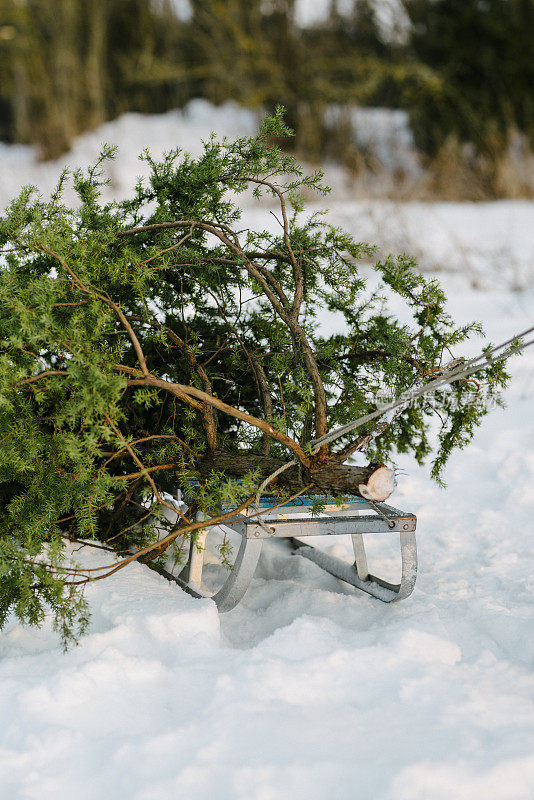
point(491, 243)
point(308, 689)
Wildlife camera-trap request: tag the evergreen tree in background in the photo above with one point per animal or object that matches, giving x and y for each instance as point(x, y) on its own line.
point(480, 52)
point(69, 65)
point(463, 70)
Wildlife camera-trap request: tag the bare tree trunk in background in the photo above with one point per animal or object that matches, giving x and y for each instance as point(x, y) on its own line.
point(21, 96)
point(66, 68)
point(96, 62)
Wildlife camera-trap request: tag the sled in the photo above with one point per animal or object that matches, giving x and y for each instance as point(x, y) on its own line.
point(294, 521)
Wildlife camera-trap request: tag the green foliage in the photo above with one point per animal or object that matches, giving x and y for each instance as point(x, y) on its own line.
point(116, 317)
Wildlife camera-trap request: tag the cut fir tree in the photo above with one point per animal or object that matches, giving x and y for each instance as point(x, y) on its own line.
point(158, 343)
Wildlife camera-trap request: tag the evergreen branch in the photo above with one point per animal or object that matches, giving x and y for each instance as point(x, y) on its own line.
point(148, 470)
point(297, 271)
point(145, 439)
point(107, 301)
point(45, 374)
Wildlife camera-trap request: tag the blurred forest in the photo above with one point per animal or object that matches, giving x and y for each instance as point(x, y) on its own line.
point(462, 69)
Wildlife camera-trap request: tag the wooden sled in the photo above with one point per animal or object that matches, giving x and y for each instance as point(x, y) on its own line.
point(293, 522)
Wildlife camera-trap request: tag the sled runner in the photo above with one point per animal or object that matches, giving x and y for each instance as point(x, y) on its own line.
point(293, 521)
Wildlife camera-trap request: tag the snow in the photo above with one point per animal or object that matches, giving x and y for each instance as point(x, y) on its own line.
point(308, 689)
point(132, 133)
point(182, 9)
point(383, 135)
point(491, 243)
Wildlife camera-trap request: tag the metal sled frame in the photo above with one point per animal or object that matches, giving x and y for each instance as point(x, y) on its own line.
point(255, 527)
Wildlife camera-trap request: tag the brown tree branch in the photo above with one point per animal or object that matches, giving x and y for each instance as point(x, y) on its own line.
point(45, 374)
point(296, 267)
point(113, 456)
point(265, 394)
point(144, 470)
point(162, 543)
point(208, 416)
point(183, 392)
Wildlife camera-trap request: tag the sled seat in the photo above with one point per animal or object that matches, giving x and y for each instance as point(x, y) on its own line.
point(296, 520)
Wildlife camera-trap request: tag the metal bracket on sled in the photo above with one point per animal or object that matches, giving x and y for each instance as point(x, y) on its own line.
point(268, 523)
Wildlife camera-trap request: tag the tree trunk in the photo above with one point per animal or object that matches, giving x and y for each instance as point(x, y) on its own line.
point(96, 62)
point(373, 482)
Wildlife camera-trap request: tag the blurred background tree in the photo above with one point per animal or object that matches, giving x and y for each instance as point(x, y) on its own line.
point(68, 65)
point(462, 69)
point(480, 52)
